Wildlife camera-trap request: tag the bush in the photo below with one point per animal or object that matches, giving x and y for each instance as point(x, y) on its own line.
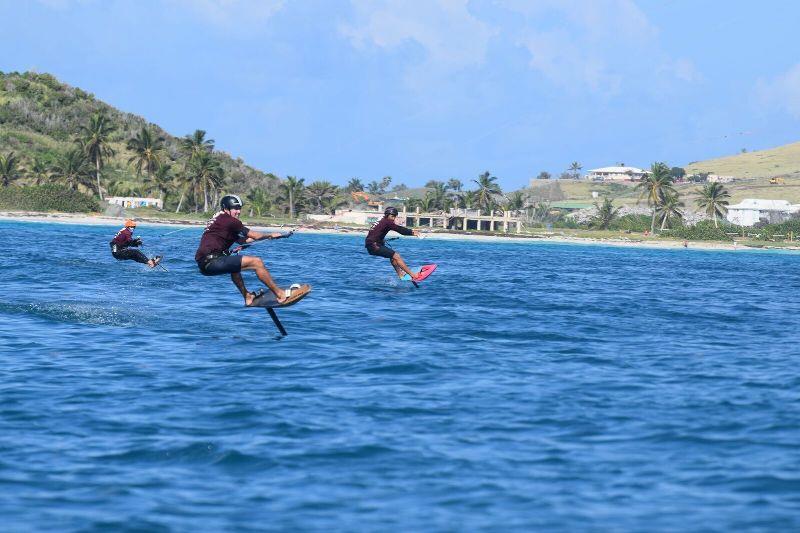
point(634, 223)
point(47, 198)
point(768, 232)
point(703, 231)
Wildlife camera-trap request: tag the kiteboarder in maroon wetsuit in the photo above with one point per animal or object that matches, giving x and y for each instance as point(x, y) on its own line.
point(222, 231)
point(376, 245)
point(123, 246)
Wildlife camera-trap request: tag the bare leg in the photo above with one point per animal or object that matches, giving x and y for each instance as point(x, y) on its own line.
point(401, 267)
point(237, 280)
point(250, 262)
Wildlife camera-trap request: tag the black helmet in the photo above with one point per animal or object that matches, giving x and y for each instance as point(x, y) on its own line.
point(390, 211)
point(231, 201)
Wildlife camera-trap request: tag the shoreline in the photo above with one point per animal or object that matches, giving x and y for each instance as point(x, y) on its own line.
point(99, 220)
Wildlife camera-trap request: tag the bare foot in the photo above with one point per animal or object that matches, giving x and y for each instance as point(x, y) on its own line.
point(248, 299)
point(280, 296)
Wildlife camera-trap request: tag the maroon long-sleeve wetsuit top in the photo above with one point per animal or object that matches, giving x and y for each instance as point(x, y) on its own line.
point(123, 238)
point(221, 232)
point(378, 232)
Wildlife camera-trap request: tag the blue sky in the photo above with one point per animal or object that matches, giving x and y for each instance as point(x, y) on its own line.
point(422, 90)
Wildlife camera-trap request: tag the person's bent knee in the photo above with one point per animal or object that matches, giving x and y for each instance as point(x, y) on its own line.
point(250, 261)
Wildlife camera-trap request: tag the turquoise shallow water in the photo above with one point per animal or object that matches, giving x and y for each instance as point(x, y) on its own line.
point(524, 386)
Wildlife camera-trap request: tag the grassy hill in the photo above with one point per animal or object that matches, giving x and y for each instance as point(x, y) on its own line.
point(580, 191)
point(780, 161)
point(39, 120)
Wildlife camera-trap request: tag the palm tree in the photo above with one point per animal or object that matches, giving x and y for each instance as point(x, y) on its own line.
point(516, 202)
point(293, 188)
point(182, 182)
point(161, 180)
point(487, 188)
point(454, 184)
point(207, 173)
point(9, 168)
point(331, 203)
point(714, 199)
point(96, 142)
point(320, 192)
point(147, 151)
point(575, 169)
point(73, 168)
point(427, 203)
point(606, 214)
point(411, 204)
point(656, 185)
point(259, 201)
point(469, 199)
point(438, 194)
point(354, 185)
point(38, 170)
point(196, 143)
point(669, 208)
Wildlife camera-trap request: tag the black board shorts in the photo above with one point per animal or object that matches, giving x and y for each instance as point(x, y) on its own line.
point(380, 249)
point(224, 264)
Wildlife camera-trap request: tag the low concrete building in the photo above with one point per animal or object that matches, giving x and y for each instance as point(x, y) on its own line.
point(454, 219)
point(752, 210)
point(617, 174)
point(715, 178)
point(133, 202)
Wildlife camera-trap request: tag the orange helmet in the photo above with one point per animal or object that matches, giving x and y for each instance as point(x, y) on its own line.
point(130, 223)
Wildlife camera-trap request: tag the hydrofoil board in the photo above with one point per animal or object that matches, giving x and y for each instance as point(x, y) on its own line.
point(269, 301)
point(424, 272)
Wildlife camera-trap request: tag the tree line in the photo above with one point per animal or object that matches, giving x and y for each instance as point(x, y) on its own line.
point(193, 178)
point(664, 201)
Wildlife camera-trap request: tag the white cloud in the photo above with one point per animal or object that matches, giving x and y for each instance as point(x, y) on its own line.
point(682, 70)
point(62, 4)
point(450, 35)
point(594, 44)
point(232, 14)
point(783, 91)
point(597, 44)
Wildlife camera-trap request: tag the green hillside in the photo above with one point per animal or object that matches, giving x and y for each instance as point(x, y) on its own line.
point(780, 161)
point(41, 118)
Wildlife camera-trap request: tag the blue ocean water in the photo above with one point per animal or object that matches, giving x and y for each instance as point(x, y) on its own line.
point(524, 386)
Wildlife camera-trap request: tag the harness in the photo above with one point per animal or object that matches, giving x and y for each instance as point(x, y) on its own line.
point(206, 260)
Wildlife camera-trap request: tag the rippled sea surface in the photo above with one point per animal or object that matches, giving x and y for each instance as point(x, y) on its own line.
point(524, 386)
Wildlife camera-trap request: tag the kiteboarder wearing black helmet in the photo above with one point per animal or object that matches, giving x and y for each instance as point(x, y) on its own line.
point(376, 245)
point(222, 231)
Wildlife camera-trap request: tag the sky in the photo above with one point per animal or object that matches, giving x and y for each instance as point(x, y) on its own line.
point(431, 89)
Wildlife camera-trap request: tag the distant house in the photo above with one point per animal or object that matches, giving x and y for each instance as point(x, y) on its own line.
point(752, 210)
point(714, 178)
point(616, 174)
point(134, 202)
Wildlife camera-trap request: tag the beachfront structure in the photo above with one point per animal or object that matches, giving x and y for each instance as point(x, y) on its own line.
point(134, 202)
point(454, 219)
point(715, 178)
point(616, 174)
point(752, 210)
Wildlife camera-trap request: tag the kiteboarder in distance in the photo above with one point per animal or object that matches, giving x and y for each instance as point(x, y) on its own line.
point(213, 257)
point(123, 246)
point(376, 245)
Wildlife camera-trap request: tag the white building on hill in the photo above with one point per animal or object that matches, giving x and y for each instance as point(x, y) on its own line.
point(616, 174)
point(752, 210)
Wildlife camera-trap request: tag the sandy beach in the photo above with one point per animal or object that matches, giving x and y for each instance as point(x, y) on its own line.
point(88, 219)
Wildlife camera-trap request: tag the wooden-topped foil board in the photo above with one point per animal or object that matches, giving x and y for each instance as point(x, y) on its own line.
point(269, 301)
